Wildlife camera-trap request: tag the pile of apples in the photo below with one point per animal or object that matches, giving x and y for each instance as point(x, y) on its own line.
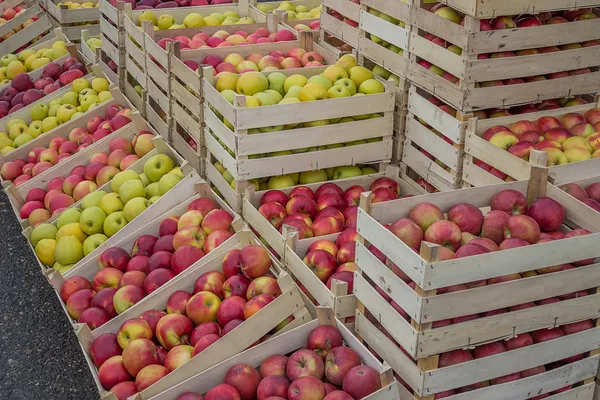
point(274, 61)
point(83, 179)
point(22, 170)
point(94, 42)
point(23, 90)
point(152, 262)
point(158, 4)
point(301, 375)
point(505, 22)
point(467, 232)
point(223, 38)
point(83, 96)
point(29, 60)
point(589, 195)
point(305, 177)
point(146, 348)
point(77, 232)
point(9, 14)
point(72, 5)
point(295, 12)
point(327, 210)
point(459, 356)
point(572, 138)
point(193, 20)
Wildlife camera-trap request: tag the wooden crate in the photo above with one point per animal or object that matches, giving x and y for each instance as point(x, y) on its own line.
point(467, 94)
point(385, 32)
point(285, 343)
point(23, 37)
point(63, 15)
point(73, 32)
point(478, 148)
point(495, 8)
point(18, 194)
point(338, 28)
point(440, 135)
point(63, 129)
point(289, 303)
point(86, 50)
point(420, 341)
point(167, 201)
point(243, 166)
point(186, 84)
point(582, 182)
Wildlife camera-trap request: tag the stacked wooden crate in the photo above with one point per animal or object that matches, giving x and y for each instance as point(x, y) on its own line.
point(444, 331)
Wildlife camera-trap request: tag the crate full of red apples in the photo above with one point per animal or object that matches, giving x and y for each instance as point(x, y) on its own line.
point(228, 301)
point(313, 227)
point(295, 365)
point(481, 63)
point(487, 286)
point(501, 148)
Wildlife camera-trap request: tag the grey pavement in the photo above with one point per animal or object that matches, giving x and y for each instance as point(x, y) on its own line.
point(40, 358)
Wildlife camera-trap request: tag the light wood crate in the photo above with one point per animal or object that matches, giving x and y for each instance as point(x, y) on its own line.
point(63, 15)
point(285, 343)
point(25, 35)
point(289, 303)
point(423, 306)
point(62, 130)
point(335, 27)
point(478, 148)
point(467, 95)
point(17, 194)
point(184, 188)
point(242, 167)
point(495, 8)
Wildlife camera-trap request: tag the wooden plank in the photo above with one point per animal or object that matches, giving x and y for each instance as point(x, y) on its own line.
point(440, 120)
point(433, 144)
point(396, 63)
point(429, 169)
point(340, 29)
point(391, 33)
point(494, 8)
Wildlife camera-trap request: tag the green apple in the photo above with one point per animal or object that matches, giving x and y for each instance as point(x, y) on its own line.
point(346, 172)
point(21, 140)
point(167, 182)
point(153, 199)
point(265, 99)
point(220, 167)
point(135, 207)
point(42, 231)
point(152, 190)
point(121, 178)
point(39, 112)
point(68, 216)
point(92, 220)
point(368, 170)
point(86, 92)
point(348, 84)
point(92, 199)
point(35, 129)
point(79, 84)
point(371, 86)
point(104, 96)
point(17, 129)
point(100, 85)
point(87, 100)
point(293, 92)
point(7, 59)
point(193, 20)
point(91, 243)
point(320, 79)
point(69, 250)
point(312, 177)
point(79, 114)
point(44, 250)
point(70, 98)
point(382, 72)
point(278, 182)
point(228, 177)
point(65, 112)
point(294, 80)
point(165, 21)
point(147, 16)
point(14, 122)
point(114, 223)
point(110, 203)
point(57, 101)
point(337, 92)
point(252, 82)
point(276, 82)
point(131, 189)
point(50, 123)
point(274, 94)
point(275, 128)
point(157, 166)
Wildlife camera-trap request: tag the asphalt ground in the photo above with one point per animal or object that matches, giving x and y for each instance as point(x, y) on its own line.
point(40, 358)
